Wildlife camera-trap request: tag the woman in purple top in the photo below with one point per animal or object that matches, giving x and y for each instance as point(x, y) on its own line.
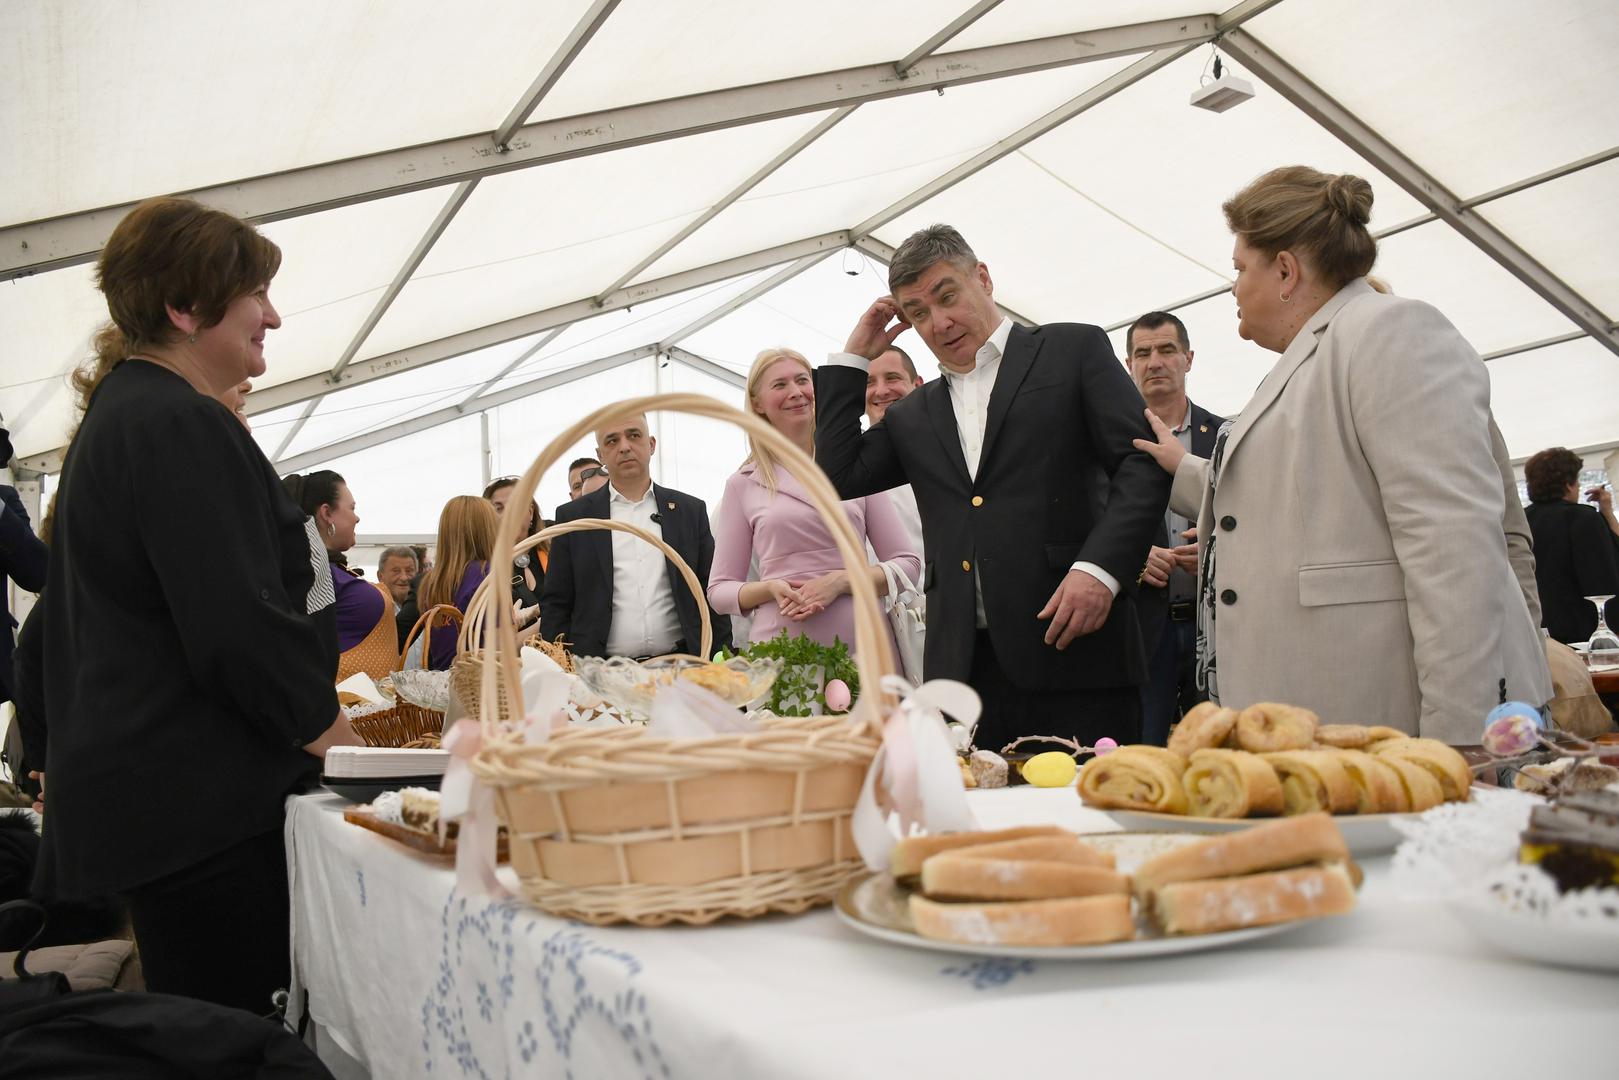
point(363, 611)
point(466, 536)
point(766, 513)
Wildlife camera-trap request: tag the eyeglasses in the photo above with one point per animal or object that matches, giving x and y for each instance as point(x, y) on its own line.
point(586, 474)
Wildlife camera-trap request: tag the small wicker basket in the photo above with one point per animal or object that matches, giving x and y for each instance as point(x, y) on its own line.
point(408, 722)
point(466, 674)
point(621, 826)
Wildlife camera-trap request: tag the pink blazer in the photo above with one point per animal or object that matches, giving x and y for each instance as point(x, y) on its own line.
point(786, 533)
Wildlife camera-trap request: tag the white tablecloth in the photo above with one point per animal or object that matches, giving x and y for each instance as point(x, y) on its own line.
point(413, 980)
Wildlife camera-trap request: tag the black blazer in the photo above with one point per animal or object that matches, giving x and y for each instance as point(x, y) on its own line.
point(1058, 481)
point(201, 677)
point(577, 599)
point(23, 558)
point(1576, 555)
point(1154, 601)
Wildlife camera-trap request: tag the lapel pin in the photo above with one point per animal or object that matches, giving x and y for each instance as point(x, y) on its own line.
point(671, 506)
point(1203, 428)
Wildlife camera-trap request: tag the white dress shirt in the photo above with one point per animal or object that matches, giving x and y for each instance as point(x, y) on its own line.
point(969, 397)
point(645, 622)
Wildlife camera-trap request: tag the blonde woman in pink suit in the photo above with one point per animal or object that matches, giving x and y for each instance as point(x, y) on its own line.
point(766, 513)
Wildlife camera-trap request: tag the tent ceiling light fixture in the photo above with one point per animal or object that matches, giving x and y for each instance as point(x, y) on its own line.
point(1223, 92)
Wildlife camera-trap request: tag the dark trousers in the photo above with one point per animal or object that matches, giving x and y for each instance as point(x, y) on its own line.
point(218, 931)
point(1011, 711)
point(1171, 681)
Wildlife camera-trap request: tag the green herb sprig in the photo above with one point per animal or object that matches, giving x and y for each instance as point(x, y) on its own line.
point(799, 655)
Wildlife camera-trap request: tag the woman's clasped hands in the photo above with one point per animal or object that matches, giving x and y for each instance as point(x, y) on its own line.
point(799, 600)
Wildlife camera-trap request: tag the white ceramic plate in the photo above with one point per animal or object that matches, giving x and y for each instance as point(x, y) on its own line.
point(1366, 834)
point(1534, 938)
point(877, 906)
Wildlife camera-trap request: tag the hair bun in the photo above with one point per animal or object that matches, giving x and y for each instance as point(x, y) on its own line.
point(1350, 196)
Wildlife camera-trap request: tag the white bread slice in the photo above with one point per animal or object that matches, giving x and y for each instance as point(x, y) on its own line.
point(954, 876)
point(1274, 845)
point(1063, 849)
point(911, 852)
point(1206, 907)
point(1088, 920)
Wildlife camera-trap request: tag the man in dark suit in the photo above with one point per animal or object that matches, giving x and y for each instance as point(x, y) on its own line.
point(1576, 547)
point(23, 558)
point(613, 594)
point(1159, 355)
point(1037, 512)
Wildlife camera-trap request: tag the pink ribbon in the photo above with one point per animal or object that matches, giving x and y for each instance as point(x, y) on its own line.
point(462, 798)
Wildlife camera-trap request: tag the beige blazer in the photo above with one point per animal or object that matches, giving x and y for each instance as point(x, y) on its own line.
point(1362, 528)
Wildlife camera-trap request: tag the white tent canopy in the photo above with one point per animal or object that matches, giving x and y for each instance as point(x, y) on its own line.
point(497, 215)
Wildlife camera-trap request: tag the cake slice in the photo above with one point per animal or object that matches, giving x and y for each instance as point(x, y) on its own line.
point(1088, 920)
point(911, 852)
point(959, 876)
point(1275, 845)
point(1205, 907)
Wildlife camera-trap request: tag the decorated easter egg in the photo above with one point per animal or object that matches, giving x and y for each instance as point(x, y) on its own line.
point(1104, 744)
point(837, 696)
point(1051, 769)
point(1512, 728)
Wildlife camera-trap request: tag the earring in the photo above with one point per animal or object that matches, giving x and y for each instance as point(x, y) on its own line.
point(1286, 298)
point(192, 337)
point(331, 529)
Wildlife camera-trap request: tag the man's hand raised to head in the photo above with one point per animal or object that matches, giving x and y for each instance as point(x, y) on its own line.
point(1079, 606)
point(872, 335)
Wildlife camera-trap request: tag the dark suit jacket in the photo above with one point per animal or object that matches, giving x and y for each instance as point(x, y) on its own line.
point(578, 596)
point(1576, 555)
point(1058, 481)
point(23, 558)
point(1154, 602)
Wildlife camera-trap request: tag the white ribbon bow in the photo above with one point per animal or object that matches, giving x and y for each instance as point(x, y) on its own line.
point(915, 768)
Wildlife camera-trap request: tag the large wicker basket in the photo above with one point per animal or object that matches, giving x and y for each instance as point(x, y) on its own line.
point(466, 674)
point(620, 826)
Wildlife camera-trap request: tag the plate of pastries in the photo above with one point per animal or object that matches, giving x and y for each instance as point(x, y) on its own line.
point(1224, 768)
point(1041, 891)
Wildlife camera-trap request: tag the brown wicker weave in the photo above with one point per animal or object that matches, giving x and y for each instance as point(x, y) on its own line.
point(619, 826)
point(407, 722)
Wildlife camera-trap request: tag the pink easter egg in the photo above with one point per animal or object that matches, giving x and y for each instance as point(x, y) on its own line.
point(837, 696)
point(1104, 744)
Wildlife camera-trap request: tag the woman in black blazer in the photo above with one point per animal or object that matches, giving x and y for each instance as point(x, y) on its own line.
point(1576, 547)
point(184, 699)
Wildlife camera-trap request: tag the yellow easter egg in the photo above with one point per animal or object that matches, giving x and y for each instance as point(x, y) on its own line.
point(1051, 769)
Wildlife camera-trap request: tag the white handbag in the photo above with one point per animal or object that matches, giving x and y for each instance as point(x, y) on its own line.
point(907, 617)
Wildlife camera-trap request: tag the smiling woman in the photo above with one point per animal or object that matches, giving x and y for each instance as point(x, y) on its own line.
point(211, 675)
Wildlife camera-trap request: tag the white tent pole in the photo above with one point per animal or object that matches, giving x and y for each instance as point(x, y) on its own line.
point(955, 26)
point(427, 421)
point(571, 47)
point(34, 246)
point(446, 214)
point(1423, 186)
point(485, 455)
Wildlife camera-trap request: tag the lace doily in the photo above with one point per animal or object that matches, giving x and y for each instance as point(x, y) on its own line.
point(424, 689)
point(1467, 853)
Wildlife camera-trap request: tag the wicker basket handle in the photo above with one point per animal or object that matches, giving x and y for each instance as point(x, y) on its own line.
point(424, 625)
point(874, 652)
point(476, 610)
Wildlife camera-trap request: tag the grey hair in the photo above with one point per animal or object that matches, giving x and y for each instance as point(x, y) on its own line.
point(923, 248)
point(398, 551)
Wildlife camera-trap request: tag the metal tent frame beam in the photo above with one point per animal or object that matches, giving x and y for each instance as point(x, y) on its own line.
point(75, 238)
point(572, 45)
point(450, 414)
point(1423, 186)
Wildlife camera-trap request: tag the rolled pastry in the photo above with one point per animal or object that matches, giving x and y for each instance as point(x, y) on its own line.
point(1422, 791)
point(1205, 725)
point(1268, 727)
point(1135, 778)
point(1440, 759)
point(911, 852)
point(1313, 780)
point(1275, 845)
point(1064, 849)
point(1378, 789)
point(1378, 732)
point(1086, 920)
point(1231, 784)
point(954, 876)
point(1206, 907)
point(1343, 736)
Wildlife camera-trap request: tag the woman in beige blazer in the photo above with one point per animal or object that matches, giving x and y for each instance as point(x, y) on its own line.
point(1359, 548)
